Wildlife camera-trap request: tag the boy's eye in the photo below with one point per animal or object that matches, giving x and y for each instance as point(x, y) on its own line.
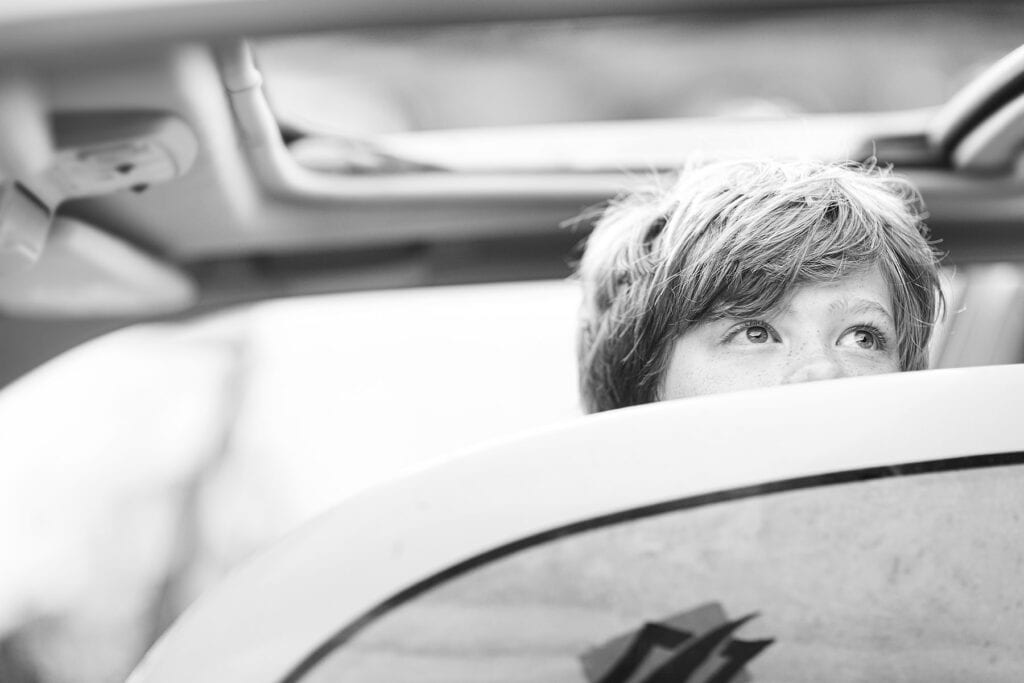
point(863, 338)
point(752, 332)
point(757, 334)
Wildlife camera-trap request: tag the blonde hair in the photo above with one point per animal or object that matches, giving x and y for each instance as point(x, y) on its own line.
point(733, 239)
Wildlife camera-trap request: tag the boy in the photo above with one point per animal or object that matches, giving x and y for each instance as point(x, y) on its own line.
point(755, 273)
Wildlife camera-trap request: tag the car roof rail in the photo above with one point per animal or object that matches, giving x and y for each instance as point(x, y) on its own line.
point(997, 86)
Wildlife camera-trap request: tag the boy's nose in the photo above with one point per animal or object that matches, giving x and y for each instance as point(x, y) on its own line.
point(811, 363)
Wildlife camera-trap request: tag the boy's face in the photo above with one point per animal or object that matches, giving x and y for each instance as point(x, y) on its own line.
point(843, 328)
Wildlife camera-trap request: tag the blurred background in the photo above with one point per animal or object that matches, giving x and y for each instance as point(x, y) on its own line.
point(862, 59)
point(140, 467)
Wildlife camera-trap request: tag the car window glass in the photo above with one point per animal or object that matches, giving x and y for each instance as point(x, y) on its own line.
point(754, 64)
point(892, 578)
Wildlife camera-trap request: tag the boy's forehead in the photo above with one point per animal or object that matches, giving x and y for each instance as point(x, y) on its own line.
point(861, 305)
point(863, 291)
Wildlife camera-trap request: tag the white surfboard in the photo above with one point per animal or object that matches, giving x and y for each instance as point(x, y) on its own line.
point(853, 530)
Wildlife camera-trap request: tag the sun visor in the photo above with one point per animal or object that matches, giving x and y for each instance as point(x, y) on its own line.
point(85, 272)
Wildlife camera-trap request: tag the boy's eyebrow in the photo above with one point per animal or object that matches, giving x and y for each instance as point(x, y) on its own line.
point(861, 306)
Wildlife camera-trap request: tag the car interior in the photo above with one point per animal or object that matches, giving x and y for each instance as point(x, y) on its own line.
point(210, 171)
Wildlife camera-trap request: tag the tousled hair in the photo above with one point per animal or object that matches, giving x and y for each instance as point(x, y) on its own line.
point(732, 239)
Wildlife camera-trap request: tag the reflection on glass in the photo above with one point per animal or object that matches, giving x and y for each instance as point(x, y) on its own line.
point(912, 578)
point(732, 64)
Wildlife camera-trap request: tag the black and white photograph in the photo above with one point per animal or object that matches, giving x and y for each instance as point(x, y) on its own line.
point(494, 341)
